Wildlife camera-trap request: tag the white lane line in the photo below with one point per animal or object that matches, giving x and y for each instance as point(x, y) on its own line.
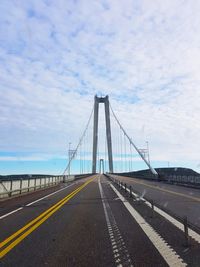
point(31, 203)
point(168, 254)
point(9, 213)
point(179, 225)
point(120, 252)
point(175, 222)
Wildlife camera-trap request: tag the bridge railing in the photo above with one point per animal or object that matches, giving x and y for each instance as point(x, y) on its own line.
point(17, 186)
point(14, 187)
point(189, 180)
point(133, 193)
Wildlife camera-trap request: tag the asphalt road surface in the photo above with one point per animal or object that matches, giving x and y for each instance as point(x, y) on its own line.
point(180, 200)
point(90, 222)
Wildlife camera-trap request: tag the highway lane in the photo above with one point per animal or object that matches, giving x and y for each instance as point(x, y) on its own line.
point(181, 201)
point(90, 226)
point(40, 202)
point(9, 205)
point(18, 201)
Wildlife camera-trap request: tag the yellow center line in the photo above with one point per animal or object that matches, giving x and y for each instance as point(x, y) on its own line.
point(168, 191)
point(34, 221)
point(38, 221)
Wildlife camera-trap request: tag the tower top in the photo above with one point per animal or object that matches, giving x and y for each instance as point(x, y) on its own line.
point(101, 99)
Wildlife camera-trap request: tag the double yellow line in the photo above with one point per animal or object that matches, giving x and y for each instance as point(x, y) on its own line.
point(18, 236)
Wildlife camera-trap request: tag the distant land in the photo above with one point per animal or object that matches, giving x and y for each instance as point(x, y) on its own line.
point(163, 172)
point(142, 173)
point(23, 176)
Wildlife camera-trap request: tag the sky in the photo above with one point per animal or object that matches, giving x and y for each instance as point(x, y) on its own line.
point(56, 55)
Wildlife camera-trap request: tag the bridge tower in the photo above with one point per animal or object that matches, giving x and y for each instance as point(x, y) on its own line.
point(97, 101)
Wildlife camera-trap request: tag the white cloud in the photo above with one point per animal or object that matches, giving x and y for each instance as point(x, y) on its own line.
point(55, 55)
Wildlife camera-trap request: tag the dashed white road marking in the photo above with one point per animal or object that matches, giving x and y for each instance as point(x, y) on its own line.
point(37, 200)
point(29, 204)
point(168, 254)
point(9, 213)
point(120, 252)
point(175, 222)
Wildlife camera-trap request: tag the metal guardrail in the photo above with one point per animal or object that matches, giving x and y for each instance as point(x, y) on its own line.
point(13, 187)
point(182, 220)
point(186, 180)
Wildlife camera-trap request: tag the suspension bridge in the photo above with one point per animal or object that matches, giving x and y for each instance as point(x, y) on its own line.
point(95, 213)
point(123, 145)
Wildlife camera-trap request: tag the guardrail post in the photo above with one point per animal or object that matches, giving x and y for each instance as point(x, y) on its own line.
point(130, 188)
point(28, 184)
point(40, 182)
point(35, 184)
point(11, 186)
point(152, 208)
point(20, 186)
point(185, 222)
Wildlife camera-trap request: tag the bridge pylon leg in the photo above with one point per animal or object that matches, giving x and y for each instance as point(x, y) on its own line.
point(95, 134)
point(104, 100)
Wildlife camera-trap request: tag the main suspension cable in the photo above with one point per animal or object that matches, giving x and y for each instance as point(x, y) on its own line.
point(79, 143)
point(130, 140)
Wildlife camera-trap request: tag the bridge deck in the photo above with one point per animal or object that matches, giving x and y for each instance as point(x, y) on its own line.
point(180, 200)
point(90, 223)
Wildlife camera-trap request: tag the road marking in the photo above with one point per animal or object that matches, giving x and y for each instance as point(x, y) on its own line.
point(34, 224)
point(167, 191)
point(9, 213)
point(120, 251)
point(29, 204)
point(168, 254)
point(175, 222)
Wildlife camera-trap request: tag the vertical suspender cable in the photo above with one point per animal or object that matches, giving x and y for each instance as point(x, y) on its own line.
point(77, 147)
point(129, 157)
point(122, 160)
point(84, 155)
point(105, 155)
point(131, 152)
point(125, 153)
point(154, 172)
point(80, 159)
